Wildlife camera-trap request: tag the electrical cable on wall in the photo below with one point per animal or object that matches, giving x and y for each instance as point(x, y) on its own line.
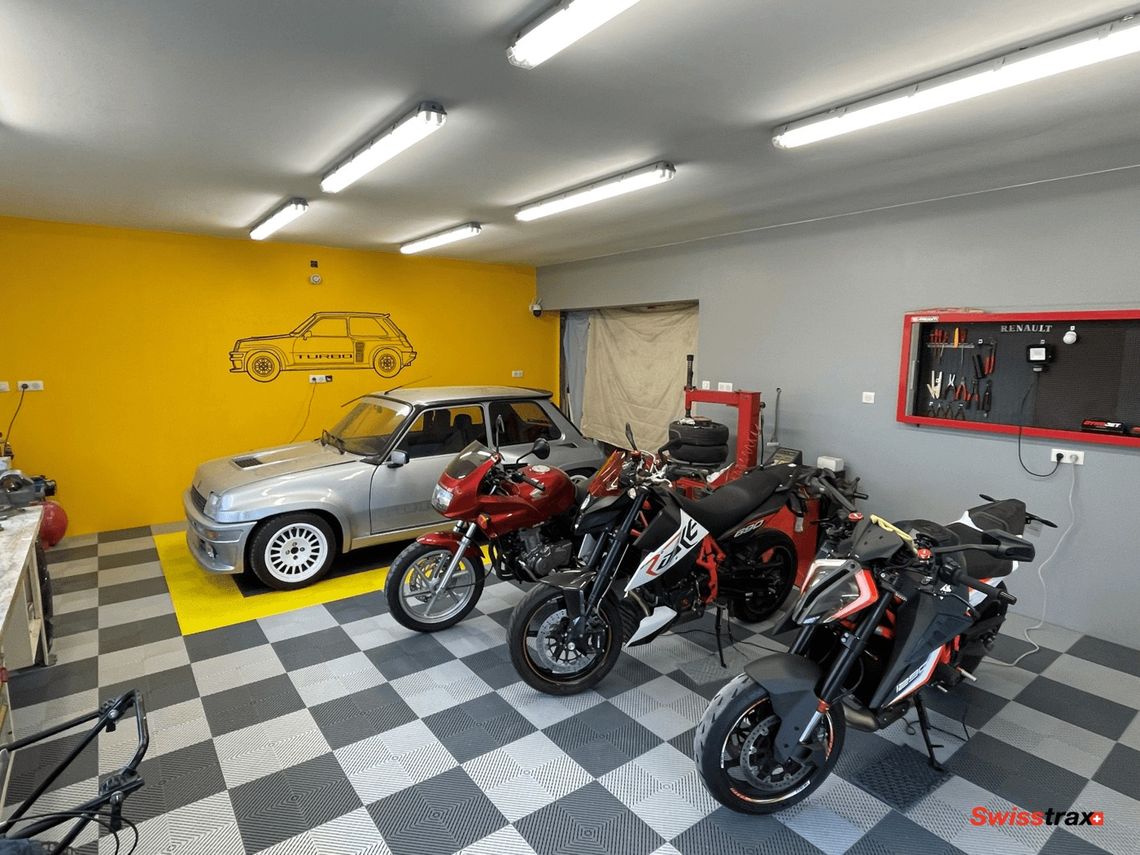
point(308, 412)
point(1041, 577)
point(1021, 427)
point(7, 435)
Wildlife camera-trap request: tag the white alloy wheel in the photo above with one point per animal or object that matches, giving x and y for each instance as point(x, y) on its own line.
point(296, 553)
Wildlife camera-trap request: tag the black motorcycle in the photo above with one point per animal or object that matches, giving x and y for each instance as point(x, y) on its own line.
point(895, 608)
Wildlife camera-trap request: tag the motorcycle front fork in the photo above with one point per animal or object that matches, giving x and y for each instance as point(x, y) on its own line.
point(461, 550)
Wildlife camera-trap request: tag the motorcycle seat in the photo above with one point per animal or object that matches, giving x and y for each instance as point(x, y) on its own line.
point(978, 564)
point(731, 504)
point(1004, 515)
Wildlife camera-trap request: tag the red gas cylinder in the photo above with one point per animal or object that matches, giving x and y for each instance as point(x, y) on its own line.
point(54, 524)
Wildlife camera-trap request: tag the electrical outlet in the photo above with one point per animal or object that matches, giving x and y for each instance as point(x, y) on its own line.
point(3, 385)
point(30, 385)
point(721, 386)
point(517, 373)
point(1068, 456)
point(706, 385)
point(868, 397)
point(320, 378)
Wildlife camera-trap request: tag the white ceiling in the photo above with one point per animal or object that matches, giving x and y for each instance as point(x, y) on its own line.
point(202, 115)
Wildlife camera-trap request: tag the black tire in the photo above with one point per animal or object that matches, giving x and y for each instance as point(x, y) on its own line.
point(543, 603)
point(398, 573)
point(708, 454)
point(703, 432)
point(46, 594)
point(286, 569)
point(776, 553)
point(739, 699)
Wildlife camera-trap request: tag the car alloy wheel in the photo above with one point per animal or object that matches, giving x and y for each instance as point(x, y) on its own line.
point(296, 553)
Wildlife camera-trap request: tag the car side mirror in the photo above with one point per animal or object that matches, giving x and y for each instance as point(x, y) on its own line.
point(541, 448)
point(397, 459)
point(1010, 547)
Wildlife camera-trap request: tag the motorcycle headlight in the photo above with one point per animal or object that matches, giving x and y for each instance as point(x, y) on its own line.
point(441, 499)
point(213, 502)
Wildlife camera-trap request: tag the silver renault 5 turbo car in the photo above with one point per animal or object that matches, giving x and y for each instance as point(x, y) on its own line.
point(286, 512)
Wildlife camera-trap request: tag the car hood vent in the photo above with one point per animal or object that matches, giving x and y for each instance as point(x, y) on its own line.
point(246, 462)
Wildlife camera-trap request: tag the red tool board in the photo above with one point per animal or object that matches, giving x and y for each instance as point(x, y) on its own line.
point(985, 356)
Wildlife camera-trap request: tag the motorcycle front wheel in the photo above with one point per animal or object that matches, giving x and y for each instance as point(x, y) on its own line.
point(544, 655)
point(415, 597)
point(733, 750)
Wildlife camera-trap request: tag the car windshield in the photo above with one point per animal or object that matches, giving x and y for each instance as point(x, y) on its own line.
point(368, 427)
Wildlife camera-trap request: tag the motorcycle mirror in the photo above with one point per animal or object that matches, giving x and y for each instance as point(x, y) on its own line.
point(397, 459)
point(541, 448)
point(670, 445)
point(987, 498)
point(629, 436)
point(1010, 547)
point(500, 429)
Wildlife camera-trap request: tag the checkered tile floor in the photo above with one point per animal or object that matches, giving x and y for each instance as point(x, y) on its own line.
point(334, 730)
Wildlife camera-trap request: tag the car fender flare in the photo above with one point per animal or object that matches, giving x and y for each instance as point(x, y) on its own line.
point(449, 540)
point(273, 348)
point(333, 514)
point(791, 683)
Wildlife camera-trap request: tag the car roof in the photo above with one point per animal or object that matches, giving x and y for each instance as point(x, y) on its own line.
point(425, 395)
point(349, 315)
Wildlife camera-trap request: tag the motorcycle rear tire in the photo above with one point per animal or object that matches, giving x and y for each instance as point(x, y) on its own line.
point(730, 705)
point(702, 433)
point(779, 547)
point(710, 455)
point(542, 597)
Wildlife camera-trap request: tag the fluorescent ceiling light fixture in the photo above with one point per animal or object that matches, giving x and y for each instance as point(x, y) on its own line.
point(279, 218)
point(1096, 44)
point(561, 27)
point(423, 121)
point(627, 182)
point(467, 230)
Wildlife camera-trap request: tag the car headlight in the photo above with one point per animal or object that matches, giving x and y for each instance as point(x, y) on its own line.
point(441, 499)
point(213, 502)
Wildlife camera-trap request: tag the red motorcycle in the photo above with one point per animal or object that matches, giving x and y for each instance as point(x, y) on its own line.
point(523, 513)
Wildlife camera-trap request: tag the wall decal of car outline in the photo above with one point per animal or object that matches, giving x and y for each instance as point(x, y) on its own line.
point(326, 340)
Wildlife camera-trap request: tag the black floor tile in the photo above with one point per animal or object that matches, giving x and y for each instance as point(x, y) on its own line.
point(900, 776)
point(251, 704)
point(627, 674)
point(360, 607)
point(32, 765)
point(478, 726)
point(1024, 779)
point(71, 553)
point(1063, 843)
point(37, 684)
point(71, 623)
point(361, 715)
point(977, 705)
point(226, 639)
point(323, 646)
point(493, 666)
point(1105, 653)
point(148, 587)
point(161, 689)
point(601, 738)
point(124, 534)
point(1121, 771)
point(725, 832)
point(1083, 709)
point(408, 656)
point(588, 820)
point(1008, 649)
point(136, 633)
point(176, 779)
point(71, 584)
point(438, 817)
point(894, 834)
point(127, 559)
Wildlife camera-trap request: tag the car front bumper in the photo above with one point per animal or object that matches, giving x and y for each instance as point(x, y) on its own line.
point(217, 547)
point(237, 360)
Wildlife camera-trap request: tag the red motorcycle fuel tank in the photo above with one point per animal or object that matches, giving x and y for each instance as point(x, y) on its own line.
point(523, 505)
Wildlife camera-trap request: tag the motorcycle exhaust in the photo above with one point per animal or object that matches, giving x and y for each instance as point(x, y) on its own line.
point(861, 718)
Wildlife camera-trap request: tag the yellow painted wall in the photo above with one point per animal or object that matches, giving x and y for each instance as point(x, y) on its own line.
point(130, 332)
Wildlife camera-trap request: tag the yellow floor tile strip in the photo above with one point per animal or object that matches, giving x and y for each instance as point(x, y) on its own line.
point(204, 601)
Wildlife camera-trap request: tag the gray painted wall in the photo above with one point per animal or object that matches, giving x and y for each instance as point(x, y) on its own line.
point(817, 309)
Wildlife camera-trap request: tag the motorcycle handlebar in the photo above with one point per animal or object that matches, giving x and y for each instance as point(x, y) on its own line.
point(824, 485)
point(978, 585)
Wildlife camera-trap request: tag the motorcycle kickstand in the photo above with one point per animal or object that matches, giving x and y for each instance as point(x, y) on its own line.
point(924, 726)
point(719, 643)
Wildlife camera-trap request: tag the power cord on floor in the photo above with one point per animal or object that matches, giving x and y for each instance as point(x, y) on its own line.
point(308, 411)
point(1041, 577)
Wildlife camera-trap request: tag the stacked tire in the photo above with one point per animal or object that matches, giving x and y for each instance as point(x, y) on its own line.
point(703, 441)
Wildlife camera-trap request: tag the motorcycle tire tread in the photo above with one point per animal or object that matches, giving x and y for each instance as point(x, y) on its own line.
point(703, 454)
point(392, 590)
point(703, 433)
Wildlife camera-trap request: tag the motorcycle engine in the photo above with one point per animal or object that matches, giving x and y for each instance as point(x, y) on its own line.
point(541, 557)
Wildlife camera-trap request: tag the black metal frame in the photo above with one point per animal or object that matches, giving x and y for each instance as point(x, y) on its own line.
point(112, 792)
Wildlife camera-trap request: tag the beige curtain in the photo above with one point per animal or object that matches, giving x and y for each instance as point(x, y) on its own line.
point(635, 372)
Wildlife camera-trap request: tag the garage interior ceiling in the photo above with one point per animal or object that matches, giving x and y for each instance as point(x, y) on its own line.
point(201, 117)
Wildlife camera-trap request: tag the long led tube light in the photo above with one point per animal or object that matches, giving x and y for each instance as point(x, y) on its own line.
point(467, 230)
point(560, 28)
point(627, 182)
point(280, 217)
point(425, 120)
point(1119, 37)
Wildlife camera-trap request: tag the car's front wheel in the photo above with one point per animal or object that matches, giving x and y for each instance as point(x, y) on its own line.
point(292, 550)
point(387, 362)
point(263, 366)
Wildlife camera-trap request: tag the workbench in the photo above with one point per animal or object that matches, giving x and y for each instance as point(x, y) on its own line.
point(23, 640)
